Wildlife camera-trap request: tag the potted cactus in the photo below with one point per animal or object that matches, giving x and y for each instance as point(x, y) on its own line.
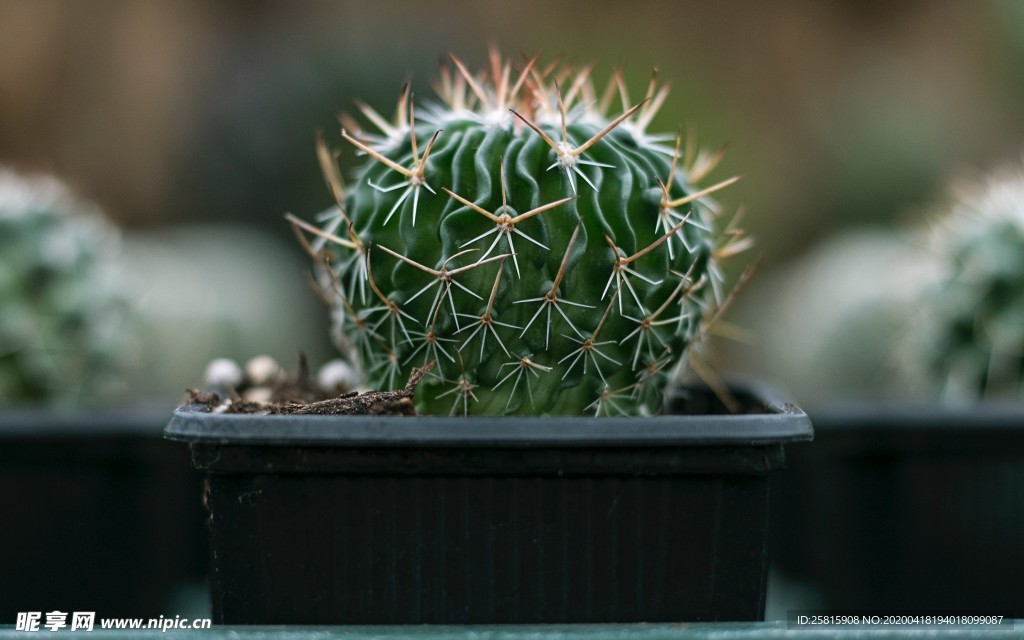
point(545, 260)
point(915, 506)
point(63, 314)
point(90, 487)
point(970, 343)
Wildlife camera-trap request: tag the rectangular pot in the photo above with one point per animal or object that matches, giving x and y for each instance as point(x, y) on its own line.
point(367, 520)
point(916, 509)
point(100, 514)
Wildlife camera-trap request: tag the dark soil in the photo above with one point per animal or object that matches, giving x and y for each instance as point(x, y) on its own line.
point(297, 395)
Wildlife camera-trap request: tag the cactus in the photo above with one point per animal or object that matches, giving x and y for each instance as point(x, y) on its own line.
point(547, 257)
point(970, 342)
point(61, 317)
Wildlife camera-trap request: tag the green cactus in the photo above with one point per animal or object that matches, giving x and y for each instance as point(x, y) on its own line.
point(61, 317)
point(971, 337)
point(549, 259)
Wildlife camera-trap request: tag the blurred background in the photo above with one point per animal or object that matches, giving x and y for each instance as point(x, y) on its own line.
point(192, 125)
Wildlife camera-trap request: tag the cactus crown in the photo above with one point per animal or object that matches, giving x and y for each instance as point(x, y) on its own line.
point(972, 345)
point(61, 316)
point(529, 237)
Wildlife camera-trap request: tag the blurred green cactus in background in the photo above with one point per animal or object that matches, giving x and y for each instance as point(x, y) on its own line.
point(527, 235)
point(62, 318)
point(970, 341)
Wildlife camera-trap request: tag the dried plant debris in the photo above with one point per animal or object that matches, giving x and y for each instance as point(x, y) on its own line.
point(264, 388)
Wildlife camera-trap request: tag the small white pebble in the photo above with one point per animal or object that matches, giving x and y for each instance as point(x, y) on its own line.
point(337, 376)
point(222, 372)
point(261, 370)
point(261, 395)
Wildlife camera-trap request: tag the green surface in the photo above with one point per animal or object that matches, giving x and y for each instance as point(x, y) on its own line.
point(703, 631)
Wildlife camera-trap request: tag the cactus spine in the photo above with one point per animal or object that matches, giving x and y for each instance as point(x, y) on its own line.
point(549, 258)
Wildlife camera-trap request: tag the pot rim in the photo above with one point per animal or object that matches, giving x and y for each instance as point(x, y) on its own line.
point(781, 422)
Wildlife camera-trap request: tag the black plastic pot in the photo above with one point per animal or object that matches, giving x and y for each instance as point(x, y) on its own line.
point(365, 520)
point(100, 513)
point(910, 510)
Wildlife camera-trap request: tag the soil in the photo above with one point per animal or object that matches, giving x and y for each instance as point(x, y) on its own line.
point(297, 394)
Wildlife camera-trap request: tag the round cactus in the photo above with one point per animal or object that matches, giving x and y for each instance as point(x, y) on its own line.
point(971, 340)
point(61, 316)
point(530, 238)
